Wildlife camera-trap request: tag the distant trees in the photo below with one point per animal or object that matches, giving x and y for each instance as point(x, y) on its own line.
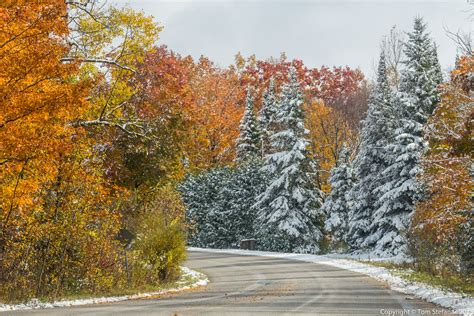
point(289, 172)
point(341, 88)
point(399, 194)
point(276, 200)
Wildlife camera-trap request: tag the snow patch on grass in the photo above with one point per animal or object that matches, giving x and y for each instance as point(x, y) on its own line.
point(454, 301)
point(189, 279)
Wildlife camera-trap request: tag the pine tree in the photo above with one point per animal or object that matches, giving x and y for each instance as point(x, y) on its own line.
point(337, 204)
point(267, 116)
point(290, 219)
point(377, 129)
point(248, 143)
point(415, 102)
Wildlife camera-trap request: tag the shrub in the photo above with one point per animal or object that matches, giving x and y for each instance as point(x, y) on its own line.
point(159, 247)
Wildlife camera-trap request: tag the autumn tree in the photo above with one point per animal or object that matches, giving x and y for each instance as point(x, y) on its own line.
point(164, 106)
point(328, 132)
point(441, 231)
point(108, 42)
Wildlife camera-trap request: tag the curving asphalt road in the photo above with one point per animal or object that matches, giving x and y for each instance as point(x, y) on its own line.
point(249, 285)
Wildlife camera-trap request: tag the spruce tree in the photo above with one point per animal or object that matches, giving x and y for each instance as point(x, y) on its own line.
point(377, 130)
point(267, 116)
point(337, 204)
point(289, 218)
point(248, 143)
point(415, 102)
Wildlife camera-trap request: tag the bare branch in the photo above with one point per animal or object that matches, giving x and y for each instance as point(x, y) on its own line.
point(98, 61)
point(126, 127)
point(464, 41)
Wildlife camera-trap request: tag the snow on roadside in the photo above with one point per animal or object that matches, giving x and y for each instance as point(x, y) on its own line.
point(197, 278)
point(454, 301)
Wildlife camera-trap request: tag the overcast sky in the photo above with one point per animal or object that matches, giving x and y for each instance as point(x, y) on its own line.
point(320, 32)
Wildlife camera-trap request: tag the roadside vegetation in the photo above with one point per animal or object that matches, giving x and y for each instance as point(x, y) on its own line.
point(449, 281)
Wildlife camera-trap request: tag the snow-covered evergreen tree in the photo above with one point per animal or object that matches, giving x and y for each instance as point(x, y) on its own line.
point(415, 102)
point(248, 181)
point(337, 204)
point(218, 204)
point(421, 77)
point(205, 208)
point(267, 116)
point(248, 143)
point(371, 160)
point(290, 218)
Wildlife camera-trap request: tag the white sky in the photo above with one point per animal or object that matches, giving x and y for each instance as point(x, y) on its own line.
point(320, 32)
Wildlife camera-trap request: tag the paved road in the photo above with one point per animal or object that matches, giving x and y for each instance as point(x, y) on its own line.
point(248, 285)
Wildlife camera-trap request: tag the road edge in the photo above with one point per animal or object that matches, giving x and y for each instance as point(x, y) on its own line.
point(198, 279)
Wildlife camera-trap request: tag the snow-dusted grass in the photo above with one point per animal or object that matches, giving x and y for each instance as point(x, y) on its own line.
point(457, 302)
point(189, 279)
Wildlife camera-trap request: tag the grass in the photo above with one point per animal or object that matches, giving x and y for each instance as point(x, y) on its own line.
point(452, 282)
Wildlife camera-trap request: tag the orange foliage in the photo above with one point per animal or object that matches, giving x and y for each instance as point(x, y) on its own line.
point(50, 184)
point(38, 98)
point(216, 113)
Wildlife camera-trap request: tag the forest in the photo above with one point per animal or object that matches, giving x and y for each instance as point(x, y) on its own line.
point(116, 153)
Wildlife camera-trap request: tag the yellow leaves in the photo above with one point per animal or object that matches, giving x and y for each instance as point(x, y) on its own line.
point(328, 132)
point(465, 66)
point(122, 35)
